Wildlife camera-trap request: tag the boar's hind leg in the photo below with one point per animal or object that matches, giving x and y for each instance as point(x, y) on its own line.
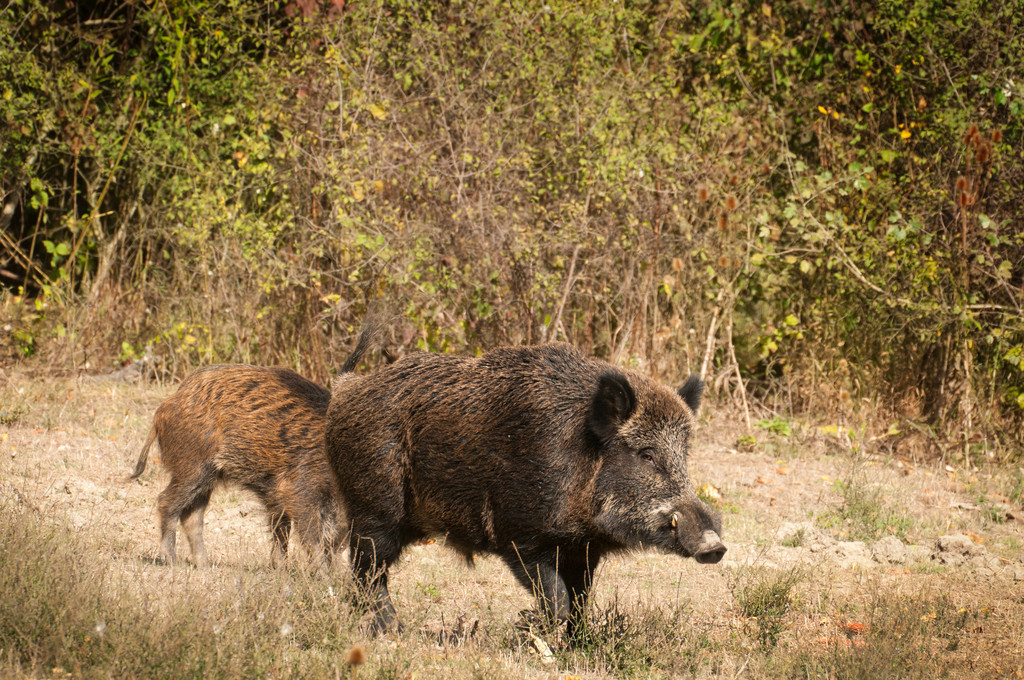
point(192, 523)
point(168, 525)
point(181, 495)
point(371, 557)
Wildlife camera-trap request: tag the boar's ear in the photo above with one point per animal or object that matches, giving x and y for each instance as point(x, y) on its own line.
point(691, 391)
point(613, 403)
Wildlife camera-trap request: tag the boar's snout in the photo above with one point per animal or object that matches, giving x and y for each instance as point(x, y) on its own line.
point(711, 549)
point(698, 532)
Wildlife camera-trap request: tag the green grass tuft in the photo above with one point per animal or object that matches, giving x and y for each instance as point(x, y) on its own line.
point(864, 513)
point(767, 596)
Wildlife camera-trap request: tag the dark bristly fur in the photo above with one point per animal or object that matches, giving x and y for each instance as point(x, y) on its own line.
point(260, 428)
point(541, 455)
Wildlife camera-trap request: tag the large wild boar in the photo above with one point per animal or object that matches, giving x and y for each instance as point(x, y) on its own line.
point(261, 428)
point(541, 455)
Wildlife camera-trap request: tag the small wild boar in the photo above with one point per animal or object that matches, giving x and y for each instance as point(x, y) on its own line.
point(261, 428)
point(540, 455)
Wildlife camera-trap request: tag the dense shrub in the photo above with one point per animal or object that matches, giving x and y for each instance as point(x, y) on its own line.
point(797, 194)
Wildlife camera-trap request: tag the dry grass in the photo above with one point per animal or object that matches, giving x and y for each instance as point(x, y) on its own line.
point(82, 596)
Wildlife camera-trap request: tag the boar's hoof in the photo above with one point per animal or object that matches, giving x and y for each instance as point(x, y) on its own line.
point(711, 549)
point(379, 627)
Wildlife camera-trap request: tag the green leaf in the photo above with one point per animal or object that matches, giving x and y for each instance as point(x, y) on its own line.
point(791, 320)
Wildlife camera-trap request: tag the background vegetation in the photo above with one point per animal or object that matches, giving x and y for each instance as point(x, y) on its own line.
point(816, 205)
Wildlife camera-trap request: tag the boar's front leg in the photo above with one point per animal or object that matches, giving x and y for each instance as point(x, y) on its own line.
point(562, 581)
point(371, 558)
point(576, 570)
point(280, 529)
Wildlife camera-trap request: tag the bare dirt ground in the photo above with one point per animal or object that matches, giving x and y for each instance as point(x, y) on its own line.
point(67, 446)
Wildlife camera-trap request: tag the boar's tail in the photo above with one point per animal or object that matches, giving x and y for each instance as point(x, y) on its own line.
point(370, 336)
point(141, 464)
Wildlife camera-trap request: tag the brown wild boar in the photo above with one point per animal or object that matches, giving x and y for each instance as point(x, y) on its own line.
point(261, 428)
point(540, 455)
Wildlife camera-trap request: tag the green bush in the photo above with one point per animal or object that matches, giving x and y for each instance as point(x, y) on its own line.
point(822, 196)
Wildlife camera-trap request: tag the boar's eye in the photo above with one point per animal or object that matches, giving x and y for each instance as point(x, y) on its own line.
point(647, 456)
